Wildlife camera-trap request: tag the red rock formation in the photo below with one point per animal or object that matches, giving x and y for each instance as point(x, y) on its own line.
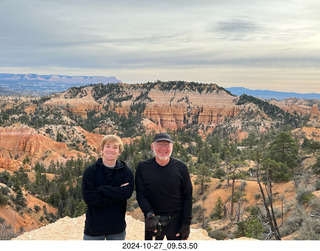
point(93, 139)
point(20, 141)
point(78, 106)
point(27, 220)
point(121, 111)
point(166, 109)
point(314, 112)
point(31, 109)
point(10, 164)
point(294, 105)
point(165, 116)
point(171, 110)
point(308, 132)
point(213, 116)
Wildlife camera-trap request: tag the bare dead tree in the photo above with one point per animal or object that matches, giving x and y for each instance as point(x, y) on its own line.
point(234, 174)
point(274, 229)
point(270, 196)
point(241, 202)
point(282, 209)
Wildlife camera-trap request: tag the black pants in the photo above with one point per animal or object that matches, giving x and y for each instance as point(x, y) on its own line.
point(169, 231)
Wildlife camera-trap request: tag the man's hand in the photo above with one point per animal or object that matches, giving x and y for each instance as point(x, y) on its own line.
point(125, 184)
point(184, 231)
point(152, 223)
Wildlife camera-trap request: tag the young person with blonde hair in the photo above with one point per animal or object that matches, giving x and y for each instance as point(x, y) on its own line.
point(106, 187)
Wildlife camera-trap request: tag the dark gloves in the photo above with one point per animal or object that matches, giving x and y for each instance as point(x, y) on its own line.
point(152, 223)
point(184, 232)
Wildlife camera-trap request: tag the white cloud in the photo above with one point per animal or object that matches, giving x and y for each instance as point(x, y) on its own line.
point(240, 41)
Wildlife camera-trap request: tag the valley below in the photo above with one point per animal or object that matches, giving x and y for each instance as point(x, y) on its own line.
point(230, 144)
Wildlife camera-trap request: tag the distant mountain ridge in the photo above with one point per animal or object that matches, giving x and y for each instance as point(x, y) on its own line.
point(34, 84)
point(267, 94)
point(40, 85)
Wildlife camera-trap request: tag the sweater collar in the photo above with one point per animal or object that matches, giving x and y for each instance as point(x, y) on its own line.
point(119, 165)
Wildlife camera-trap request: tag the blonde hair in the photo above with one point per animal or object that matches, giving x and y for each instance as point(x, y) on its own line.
point(112, 139)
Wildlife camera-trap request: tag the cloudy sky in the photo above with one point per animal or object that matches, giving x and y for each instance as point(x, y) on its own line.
point(261, 44)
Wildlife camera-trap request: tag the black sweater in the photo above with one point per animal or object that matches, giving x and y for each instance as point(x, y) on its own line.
point(164, 190)
point(105, 199)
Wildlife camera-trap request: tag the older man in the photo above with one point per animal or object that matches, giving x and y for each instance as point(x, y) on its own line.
point(164, 192)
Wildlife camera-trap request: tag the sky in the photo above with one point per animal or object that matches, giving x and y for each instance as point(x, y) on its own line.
point(261, 44)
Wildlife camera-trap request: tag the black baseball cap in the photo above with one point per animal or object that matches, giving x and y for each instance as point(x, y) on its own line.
point(162, 137)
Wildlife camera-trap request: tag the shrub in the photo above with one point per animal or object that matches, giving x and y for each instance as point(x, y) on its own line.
point(304, 194)
point(315, 205)
point(3, 199)
point(251, 227)
point(310, 229)
point(19, 207)
point(37, 208)
point(5, 190)
point(6, 232)
point(294, 222)
point(257, 196)
point(242, 186)
point(254, 229)
point(217, 234)
point(198, 214)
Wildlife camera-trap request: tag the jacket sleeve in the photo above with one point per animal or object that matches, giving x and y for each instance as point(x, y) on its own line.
point(186, 197)
point(90, 194)
point(118, 192)
point(141, 192)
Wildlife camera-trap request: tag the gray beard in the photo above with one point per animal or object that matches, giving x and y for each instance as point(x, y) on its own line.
point(162, 158)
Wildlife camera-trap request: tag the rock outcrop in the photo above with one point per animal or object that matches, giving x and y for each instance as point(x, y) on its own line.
point(72, 229)
point(314, 111)
point(19, 141)
point(167, 109)
point(307, 132)
point(10, 164)
point(78, 106)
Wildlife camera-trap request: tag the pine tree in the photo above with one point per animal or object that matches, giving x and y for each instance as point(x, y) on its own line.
point(284, 149)
point(218, 210)
point(203, 176)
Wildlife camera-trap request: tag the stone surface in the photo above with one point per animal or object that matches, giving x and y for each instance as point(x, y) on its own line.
point(72, 229)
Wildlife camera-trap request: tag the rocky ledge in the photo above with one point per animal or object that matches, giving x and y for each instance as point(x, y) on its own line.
point(72, 229)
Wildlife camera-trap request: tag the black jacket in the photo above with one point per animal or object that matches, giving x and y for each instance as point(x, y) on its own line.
point(164, 190)
point(105, 199)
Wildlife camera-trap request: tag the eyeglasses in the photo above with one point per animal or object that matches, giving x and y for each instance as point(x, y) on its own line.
point(164, 145)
